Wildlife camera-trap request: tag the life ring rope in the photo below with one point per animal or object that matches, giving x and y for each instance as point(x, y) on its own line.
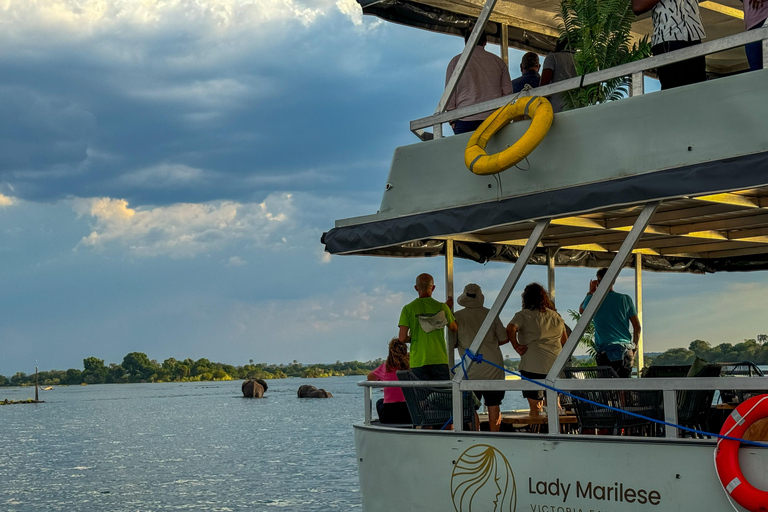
point(727, 467)
point(479, 162)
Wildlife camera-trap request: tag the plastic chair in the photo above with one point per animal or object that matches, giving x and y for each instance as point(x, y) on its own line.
point(431, 407)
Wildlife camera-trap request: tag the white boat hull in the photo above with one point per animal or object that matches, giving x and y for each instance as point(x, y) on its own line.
point(421, 470)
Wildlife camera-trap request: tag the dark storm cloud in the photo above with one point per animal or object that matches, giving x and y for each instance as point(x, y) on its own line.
point(170, 118)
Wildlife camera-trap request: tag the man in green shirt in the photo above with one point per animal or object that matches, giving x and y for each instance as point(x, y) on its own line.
point(425, 318)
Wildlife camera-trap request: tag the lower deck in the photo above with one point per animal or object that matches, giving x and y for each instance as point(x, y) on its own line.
point(432, 470)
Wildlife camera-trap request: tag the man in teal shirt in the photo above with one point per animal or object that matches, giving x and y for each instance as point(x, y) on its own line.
point(614, 343)
point(425, 319)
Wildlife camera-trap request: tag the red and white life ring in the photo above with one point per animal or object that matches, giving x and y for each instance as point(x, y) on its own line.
point(727, 455)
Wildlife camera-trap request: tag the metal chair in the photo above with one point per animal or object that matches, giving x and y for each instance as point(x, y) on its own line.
point(694, 407)
point(594, 417)
point(431, 407)
point(741, 369)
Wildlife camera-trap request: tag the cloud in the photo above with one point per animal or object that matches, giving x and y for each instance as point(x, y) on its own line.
point(184, 230)
point(76, 19)
point(5, 200)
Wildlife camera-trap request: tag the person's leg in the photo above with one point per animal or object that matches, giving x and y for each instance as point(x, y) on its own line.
point(380, 409)
point(494, 417)
point(755, 51)
point(680, 73)
point(535, 406)
point(493, 403)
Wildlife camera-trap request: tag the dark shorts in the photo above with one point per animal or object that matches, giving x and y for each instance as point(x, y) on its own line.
point(533, 395)
point(492, 398)
point(396, 412)
point(466, 126)
point(432, 372)
point(623, 366)
point(687, 72)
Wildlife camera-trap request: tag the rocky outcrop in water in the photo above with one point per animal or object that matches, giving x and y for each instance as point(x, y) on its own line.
point(254, 388)
point(307, 391)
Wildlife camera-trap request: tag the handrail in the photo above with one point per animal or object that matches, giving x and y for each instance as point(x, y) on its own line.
point(718, 45)
point(649, 384)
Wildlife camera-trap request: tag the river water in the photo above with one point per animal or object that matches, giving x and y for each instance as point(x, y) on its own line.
point(189, 446)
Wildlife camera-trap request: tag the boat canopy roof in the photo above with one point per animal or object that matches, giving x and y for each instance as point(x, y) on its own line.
point(532, 24)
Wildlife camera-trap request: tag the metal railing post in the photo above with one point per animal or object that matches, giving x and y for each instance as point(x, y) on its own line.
point(458, 407)
point(553, 418)
point(765, 53)
point(638, 87)
point(368, 397)
point(670, 413)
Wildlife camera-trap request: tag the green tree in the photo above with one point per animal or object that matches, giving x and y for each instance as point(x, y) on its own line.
point(598, 32)
point(138, 366)
point(94, 371)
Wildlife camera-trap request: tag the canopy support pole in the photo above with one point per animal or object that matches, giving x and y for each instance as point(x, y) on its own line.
point(498, 305)
point(450, 87)
point(594, 304)
point(505, 43)
point(551, 273)
point(639, 302)
point(450, 339)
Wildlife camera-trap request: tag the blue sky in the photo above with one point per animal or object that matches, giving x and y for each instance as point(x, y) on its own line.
point(167, 169)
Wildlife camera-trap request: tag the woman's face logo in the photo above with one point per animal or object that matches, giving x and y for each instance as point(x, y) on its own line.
point(483, 479)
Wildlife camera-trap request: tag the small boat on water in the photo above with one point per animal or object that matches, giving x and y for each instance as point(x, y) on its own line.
point(674, 181)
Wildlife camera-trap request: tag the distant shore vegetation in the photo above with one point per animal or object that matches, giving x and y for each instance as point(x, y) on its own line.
point(137, 367)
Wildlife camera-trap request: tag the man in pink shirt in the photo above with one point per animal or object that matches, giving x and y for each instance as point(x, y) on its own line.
point(486, 77)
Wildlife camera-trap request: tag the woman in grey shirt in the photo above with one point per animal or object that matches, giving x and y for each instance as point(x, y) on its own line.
point(538, 334)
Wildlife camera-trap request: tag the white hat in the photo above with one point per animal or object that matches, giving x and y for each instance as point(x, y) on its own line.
point(472, 296)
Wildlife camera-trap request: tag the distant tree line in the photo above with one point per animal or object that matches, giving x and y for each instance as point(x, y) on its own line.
point(137, 367)
point(754, 350)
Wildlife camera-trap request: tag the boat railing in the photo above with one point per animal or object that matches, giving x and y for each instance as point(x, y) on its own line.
point(633, 69)
point(668, 386)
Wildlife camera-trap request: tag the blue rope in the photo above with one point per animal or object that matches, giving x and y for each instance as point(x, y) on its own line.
point(479, 359)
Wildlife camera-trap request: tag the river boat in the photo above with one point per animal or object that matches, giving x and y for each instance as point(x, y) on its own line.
point(673, 181)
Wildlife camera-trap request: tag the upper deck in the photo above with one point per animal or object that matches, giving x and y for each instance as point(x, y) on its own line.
point(591, 174)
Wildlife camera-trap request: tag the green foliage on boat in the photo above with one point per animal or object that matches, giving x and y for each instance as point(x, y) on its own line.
point(598, 33)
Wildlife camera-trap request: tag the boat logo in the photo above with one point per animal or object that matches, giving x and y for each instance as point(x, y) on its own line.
point(482, 478)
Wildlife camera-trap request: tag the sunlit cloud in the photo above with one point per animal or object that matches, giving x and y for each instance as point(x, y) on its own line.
point(84, 18)
point(184, 230)
point(5, 200)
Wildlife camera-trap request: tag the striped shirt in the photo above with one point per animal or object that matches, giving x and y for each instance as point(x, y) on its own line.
point(677, 20)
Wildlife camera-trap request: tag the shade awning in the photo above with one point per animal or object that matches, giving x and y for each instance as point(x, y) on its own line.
point(532, 25)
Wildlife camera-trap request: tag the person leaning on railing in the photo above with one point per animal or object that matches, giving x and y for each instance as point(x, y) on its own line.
point(676, 25)
point(537, 333)
point(486, 77)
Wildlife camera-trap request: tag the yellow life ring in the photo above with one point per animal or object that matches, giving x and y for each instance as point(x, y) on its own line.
point(479, 162)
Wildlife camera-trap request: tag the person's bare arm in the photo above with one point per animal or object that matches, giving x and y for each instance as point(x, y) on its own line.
point(403, 334)
point(453, 326)
point(371, 376)
point(546, 76)
point(512, 335)
point(635, 329)
point(592, 289)
point(642, 6)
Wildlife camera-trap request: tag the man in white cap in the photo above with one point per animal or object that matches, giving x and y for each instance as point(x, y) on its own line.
point(470, 319)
